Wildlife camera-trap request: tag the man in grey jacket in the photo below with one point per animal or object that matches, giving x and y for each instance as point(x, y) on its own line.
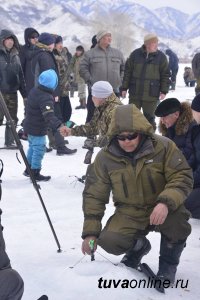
point(102, 63)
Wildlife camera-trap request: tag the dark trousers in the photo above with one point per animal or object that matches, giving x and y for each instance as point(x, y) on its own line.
point(192, 203)
point(66, 108)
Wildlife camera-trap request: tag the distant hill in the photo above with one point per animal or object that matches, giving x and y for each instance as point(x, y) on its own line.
point(78, 21)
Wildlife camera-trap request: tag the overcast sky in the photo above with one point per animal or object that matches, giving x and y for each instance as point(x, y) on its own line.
point(187, 6)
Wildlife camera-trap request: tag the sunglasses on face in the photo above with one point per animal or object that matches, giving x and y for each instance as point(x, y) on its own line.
point(129, 137)
point(35, 36)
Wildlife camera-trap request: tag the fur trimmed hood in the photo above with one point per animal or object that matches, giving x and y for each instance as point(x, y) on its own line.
point(183, 122)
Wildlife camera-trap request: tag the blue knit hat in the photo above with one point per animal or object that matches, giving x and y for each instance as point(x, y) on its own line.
point(48, 79)
point(46, 38)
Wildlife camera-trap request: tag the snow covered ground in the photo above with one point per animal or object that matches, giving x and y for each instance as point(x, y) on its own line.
point(32, 248)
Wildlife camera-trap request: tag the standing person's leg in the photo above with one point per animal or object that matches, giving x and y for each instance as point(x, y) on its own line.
point(81, 95)
point(29, 155)
point(12, 105)
point(39, 149)
point(66, 108)
point(57, 138)
point(197, 88)
point(90, 108)
point(149, 112)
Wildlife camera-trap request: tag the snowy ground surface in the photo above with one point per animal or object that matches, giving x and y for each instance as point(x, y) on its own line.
point(31, 246)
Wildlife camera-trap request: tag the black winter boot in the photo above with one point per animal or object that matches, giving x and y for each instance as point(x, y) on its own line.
point(133, 256)
point(64, 150)
point(40, 177)
point(169, 259)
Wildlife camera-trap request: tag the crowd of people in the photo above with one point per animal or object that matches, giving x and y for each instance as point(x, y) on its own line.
point(154, 178)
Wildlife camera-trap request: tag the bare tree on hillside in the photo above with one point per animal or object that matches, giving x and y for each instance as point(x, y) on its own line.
point(119, 24)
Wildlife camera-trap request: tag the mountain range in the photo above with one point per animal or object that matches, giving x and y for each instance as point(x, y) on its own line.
point(78, 20)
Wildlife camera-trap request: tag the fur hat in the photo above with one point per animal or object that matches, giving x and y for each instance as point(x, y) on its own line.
point(46, 39)
point(150, 37)
point(102, 89)
point(196, 103)
point(167, 107)
point(48, 79)
point(101, 33)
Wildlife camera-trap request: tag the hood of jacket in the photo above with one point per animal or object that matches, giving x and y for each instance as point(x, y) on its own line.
point(27, 33)
point(183, 122)
point(129, 118)
point(4, 34)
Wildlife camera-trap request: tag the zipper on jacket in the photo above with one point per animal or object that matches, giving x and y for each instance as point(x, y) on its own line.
point(151, 181)
point(124, 186)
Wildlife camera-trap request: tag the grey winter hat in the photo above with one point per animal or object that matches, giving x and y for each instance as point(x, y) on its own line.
point(102, 89)
point(101, 33)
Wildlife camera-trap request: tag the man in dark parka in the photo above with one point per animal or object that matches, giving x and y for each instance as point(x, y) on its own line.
point(146, 76)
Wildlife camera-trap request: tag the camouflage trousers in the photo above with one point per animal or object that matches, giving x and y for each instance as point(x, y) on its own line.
point(11, 101)
point(81, 90)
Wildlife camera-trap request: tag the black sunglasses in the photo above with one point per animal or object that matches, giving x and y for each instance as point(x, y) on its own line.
point(129, 137)
point(34, 36)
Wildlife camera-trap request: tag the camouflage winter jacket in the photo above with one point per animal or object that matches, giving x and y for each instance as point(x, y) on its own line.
point(74, 67)
point(62, 65)
point(156, 172)
point(99, 122)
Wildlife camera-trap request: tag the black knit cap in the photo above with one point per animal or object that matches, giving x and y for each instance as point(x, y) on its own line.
point(80, 48)
point(167, 107)
point(196, 103)
point(58, 39)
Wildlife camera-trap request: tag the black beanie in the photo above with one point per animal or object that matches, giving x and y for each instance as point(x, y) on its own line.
point(80, 48)
point(58, 39)
point(196, 103)
point(167, 107)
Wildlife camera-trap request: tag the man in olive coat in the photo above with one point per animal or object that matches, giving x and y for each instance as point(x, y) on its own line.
point(146, 76)
point(149, 179)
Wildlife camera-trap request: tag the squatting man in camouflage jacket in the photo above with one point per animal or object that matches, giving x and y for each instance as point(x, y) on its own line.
point(149, 179)
point(104, 101)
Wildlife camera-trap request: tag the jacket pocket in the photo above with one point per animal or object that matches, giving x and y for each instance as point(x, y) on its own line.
point(154, 89)
point(97, 60)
